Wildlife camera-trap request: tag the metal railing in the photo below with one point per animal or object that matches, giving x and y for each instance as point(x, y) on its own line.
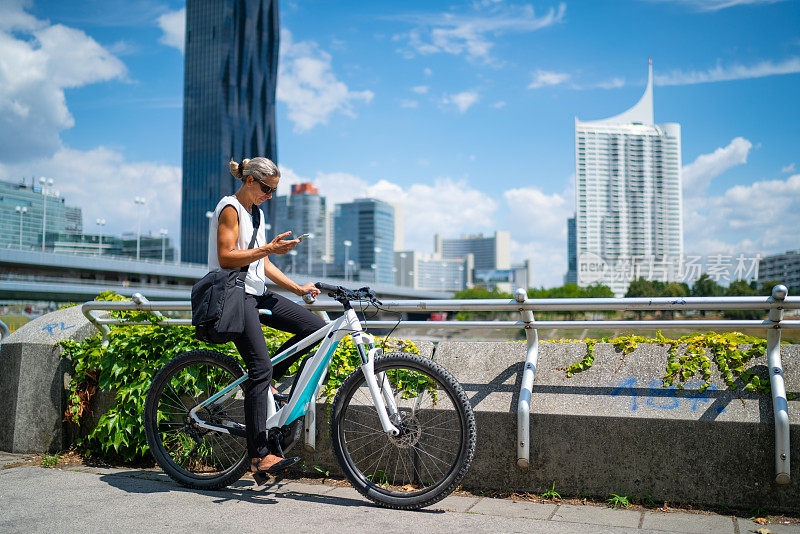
point(776, 304)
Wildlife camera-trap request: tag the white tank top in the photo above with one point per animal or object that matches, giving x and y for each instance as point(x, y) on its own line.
point(255, 283)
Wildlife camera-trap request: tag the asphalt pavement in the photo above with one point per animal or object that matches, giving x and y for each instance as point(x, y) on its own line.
point(91, 499)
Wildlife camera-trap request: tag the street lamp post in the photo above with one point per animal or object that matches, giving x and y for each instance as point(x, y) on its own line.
point(21, 210)
point(347, 245)
point(293, 254)
point(45, 182)
point(349, 265)
point(325, 259)
point(308, 255)
point(139, 201)
point(163, 245)
point(377, 250)
point(101, 223)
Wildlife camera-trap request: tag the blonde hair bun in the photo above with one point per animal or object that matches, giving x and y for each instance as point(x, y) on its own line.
point(262, 165)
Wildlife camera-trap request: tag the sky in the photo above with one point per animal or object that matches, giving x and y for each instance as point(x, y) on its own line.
point(461, 112)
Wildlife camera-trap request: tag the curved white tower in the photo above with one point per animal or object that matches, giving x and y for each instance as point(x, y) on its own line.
point(628, 197)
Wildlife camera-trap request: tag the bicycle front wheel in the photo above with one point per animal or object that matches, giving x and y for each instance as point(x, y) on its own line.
point(434, 449)
point(191, 455)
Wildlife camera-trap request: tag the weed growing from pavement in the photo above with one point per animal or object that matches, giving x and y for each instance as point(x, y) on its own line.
point(619, 501)
point(552, 494)
point(50, 460)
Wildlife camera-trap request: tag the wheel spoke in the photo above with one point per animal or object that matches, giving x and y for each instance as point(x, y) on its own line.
point(196, 453)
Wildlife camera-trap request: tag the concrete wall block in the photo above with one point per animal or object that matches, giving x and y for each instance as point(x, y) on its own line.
point(32, 378)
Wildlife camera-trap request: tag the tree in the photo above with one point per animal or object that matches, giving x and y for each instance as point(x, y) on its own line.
point(767, 285)
point(740, 288)
point(645, 288)
point(674, 289)
point(706, 287)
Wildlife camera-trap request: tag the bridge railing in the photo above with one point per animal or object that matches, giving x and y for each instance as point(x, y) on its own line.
point(775, 304)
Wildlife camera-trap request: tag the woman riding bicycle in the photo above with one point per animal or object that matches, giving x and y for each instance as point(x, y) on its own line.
point(229, 236)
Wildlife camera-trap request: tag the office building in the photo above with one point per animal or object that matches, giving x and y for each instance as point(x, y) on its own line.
point(151, 247)
point(303, 211)
point(25, 210)
point(431, 271)
point(572, 253)
point(231, 68)
point(784, 268)
point(522, 275)
point(367, 226)
point(489, 252)
point(628, 197)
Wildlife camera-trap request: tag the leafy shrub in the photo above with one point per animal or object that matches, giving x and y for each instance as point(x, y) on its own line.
point(134, 355)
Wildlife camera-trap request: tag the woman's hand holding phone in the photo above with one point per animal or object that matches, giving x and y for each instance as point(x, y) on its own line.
point(280, 245)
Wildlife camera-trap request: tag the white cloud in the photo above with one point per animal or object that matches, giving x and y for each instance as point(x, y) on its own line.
point(104, 184)
point(537, 222)
point(407, 103)
point(761, 217)
point(309, 88)
point(471, 35)
point(462, 101)
point(427, 72)
point(14, 18)
point(420, 89)
point(467, 210)
point(722, 73)
point(173, 24)
point(500, 104)
point(425, 213)
point(543, 78)
point(716, 5)
point(38, 61)
point(698, 174)
point(613, 83)
point(788, 168)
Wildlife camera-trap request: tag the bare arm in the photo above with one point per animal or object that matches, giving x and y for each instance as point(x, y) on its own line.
point(227, 234)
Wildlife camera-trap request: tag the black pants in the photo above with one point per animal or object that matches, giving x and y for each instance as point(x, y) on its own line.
point(286, 316)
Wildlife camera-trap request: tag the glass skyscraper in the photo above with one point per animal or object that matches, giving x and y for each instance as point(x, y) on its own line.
point(230, 78)
point(303, 212)
point(629, 217)
point(368, 225)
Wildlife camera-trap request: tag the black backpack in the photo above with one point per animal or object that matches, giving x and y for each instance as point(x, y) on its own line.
point(218, 300)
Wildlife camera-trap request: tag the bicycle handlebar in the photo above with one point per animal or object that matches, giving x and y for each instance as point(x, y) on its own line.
point(343, 294)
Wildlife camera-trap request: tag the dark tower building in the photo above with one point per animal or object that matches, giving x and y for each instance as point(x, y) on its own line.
point(231, 73)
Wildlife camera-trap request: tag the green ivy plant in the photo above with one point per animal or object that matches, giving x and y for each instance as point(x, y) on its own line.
point(731, 352)
point(134, 354)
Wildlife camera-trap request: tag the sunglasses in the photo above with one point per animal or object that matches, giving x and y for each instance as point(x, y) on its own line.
point(267, 189)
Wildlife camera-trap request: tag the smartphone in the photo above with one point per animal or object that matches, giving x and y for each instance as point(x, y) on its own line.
point(301, 237)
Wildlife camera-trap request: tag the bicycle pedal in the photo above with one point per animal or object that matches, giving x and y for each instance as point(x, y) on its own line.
point(260, 478)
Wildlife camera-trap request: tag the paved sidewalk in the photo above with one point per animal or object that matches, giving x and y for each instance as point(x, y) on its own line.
point(89, 499)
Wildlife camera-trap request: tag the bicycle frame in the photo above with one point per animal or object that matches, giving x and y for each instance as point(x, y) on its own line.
point(312, 376)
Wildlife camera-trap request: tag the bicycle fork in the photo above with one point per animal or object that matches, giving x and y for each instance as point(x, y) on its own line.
point(381, 394)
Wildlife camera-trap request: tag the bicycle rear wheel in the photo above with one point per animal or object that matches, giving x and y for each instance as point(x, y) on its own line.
point(436, 444)
point(191, 455)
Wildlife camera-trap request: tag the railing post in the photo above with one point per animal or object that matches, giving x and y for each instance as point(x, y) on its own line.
point(779, 403)
point(528, 373)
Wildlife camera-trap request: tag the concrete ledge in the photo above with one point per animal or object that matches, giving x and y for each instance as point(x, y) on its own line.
point(614, 429)
point(611, 429)
point(32, 381)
